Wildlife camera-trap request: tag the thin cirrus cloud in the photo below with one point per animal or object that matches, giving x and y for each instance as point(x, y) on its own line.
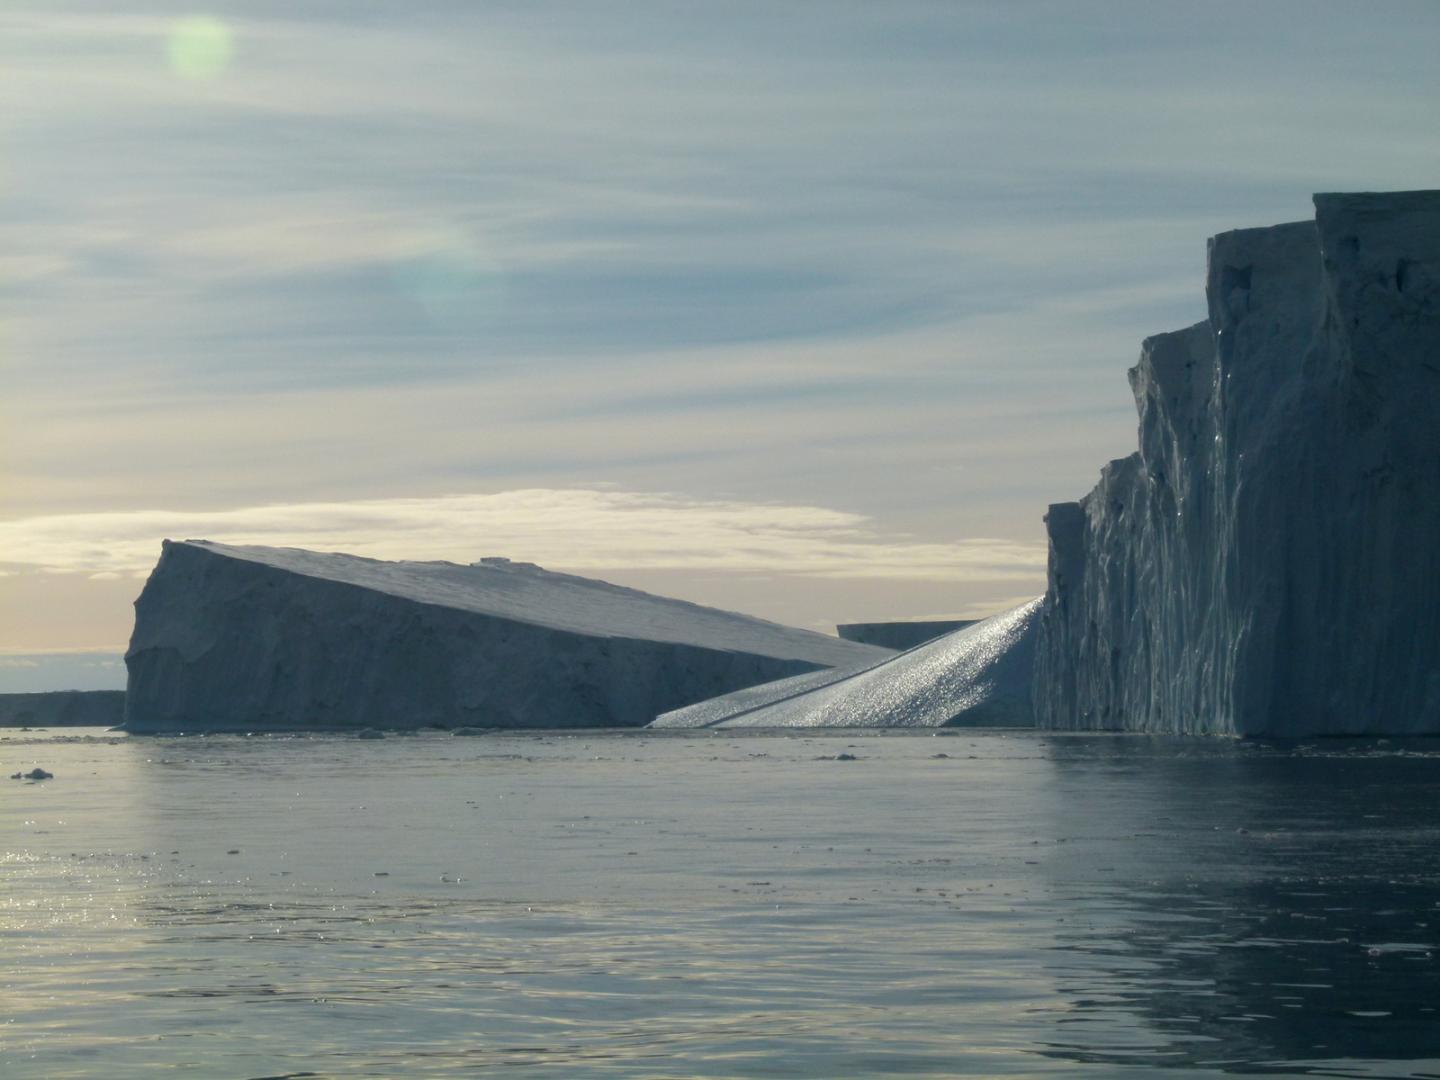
point(575, 529)
point(538, 178)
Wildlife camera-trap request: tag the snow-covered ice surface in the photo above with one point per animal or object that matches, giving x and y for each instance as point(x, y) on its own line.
point(976, 676)
point(526, 593)
point(715, 710)
point(718, 906)
point(252, 638)
point(1268, 563)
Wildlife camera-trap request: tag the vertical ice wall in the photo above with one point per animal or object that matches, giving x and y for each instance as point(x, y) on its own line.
point(1268, 563)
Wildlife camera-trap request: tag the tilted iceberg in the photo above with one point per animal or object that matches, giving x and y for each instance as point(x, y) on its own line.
point(976, 676)
point(253, 639)
point(1268, 563)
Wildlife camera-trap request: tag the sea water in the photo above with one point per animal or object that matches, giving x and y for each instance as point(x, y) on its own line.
point(717, 905)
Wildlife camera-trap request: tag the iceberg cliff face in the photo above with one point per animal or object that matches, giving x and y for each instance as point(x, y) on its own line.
point(1268, 563)
point(253, 639)
point(976, 676)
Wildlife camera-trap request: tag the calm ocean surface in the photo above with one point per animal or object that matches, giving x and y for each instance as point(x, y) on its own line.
point(717, 905)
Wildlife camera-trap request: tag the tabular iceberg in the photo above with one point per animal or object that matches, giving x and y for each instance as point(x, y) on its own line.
point(1268, 563)
point(901, 635)
point(976, 676)
point(252, 639)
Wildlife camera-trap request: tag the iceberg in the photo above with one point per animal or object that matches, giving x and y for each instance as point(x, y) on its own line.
point(1268, 562)
point(976, 676)
point(63, 708)
point(232, 638)
point(900, 635)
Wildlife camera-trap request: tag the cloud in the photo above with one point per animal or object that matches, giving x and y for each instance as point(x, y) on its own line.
point(893, 168)
point(577, 529)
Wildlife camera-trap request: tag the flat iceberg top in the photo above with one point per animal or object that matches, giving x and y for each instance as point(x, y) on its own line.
point(978, 675)
point(526, 593)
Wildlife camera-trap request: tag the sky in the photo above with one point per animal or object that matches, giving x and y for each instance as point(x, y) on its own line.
point(806, 310)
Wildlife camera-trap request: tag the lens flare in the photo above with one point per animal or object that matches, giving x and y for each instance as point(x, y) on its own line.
point(457, 284)
point(200, 47)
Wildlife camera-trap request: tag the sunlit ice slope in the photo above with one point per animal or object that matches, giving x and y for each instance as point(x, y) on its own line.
point(978, 676)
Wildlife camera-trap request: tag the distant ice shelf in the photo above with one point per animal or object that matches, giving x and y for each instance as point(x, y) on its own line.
point(976, 676)
point(234, 638)
point(901, 634)
point(63, 708)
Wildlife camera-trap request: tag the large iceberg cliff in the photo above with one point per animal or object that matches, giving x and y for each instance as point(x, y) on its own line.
point(253, 639)
point(1268, 563)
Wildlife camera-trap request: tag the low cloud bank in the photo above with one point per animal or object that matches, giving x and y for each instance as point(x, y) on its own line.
point(574, 529)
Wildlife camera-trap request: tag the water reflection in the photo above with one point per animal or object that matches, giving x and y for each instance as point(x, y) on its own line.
point(1277, 907)
point(701, 906)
